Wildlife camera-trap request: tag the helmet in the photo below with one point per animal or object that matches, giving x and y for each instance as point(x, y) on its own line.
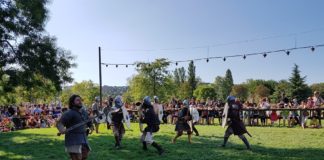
point(147, 100)
point(118, 102)
point(230, 99)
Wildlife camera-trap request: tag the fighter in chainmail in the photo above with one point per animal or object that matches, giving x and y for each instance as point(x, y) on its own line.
point(151, 119)
point(235, 124)
point(96, 111)
point(183, 122)
point(117, 121)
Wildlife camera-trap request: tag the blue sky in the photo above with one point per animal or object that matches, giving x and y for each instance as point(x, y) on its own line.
point(118, 25)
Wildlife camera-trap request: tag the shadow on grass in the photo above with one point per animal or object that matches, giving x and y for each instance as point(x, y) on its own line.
point(17, 145)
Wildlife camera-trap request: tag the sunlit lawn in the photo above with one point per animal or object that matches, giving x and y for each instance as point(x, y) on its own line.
point(267, 143)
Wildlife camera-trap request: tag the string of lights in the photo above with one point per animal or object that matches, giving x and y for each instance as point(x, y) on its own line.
point(296, 34)
point(286, 51)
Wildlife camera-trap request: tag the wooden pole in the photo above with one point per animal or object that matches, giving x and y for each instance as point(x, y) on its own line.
point(100, 78)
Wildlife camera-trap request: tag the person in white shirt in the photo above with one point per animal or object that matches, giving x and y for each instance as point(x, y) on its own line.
point(318, 102)
point(263, 114)
point(158, 109)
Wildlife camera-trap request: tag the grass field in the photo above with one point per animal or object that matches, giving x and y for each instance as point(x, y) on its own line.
point(267, 143)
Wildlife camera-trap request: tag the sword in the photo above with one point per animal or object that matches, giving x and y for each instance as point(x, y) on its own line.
point(79, 124)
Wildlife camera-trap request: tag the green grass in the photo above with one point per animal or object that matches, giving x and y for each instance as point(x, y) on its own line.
point(267, 143)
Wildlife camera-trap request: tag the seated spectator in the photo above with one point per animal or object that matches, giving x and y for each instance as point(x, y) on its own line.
point(50, 121)
point(43, 122)
point(6, 125)
point(32, 123)
point(37, 110)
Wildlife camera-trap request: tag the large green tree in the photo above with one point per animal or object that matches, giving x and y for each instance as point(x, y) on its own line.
point(229, 78)
point(283, 86)
point(152, 79)
point(4, 79)
point(298, 87)
point(240, 91)
point(183, 91)
point(223, 85)
point(192, 77)
point(179, 75)
point(182, 86)
point(26, 49)
point(138, 87)
point(155, 72)
point(318, 87)
point(262, 91)
point(42, 91)
point(252, 85)
point(86, 89)
point(204, 92)
point(220, 88)
point(228, 82)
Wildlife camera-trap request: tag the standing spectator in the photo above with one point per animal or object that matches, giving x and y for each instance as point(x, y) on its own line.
point(293, 115)
point(264, 106)
point(318, 102)
point(211, 114)
point(273, 117)
point(246, 113)
point(284, 113)
point(43, 122)
point(303, 114)
point(284, 99)
point(255, 113)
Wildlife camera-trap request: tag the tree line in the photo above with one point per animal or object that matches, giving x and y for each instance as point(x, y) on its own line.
point(154, 79)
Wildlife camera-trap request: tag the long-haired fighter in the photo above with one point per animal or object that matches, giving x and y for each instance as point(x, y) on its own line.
point(76, 141)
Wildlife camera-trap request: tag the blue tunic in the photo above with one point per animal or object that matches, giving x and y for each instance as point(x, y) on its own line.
point(78, 135)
